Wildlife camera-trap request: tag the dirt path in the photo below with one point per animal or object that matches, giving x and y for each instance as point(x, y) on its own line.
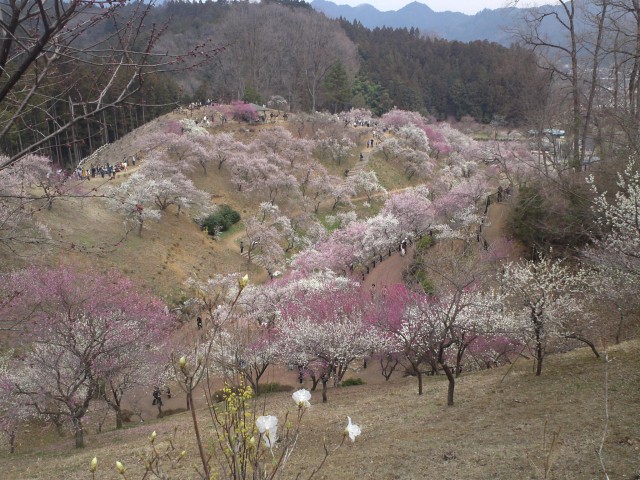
point(390, 271)
point(496, 220)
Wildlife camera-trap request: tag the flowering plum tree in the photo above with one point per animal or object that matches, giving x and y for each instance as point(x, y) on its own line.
point(390, 148)
point(438, 142)
point(244, 169)
point(319, 186)
point(411, 147)
point(413, 209)
point(169, 186)
point(180, 150)
point(336, 150)
point(341, 193)
point(222, 147)
point(618, 218)
point(416, 163)
point(367, 183)
point(14, 412)
point(414, 138)
point(382, 232)
point(275, 140)
point(613, 290)
point(544, 300)
point(135, 200)
point(265, 233)
point(437, 330)
point(397, 119)
point(278, 102)
point(18, 227)
point(84, 331)
point(38, 173)
point(244, 112)
point(330, 329)
point(356, 116)
point(243, 351)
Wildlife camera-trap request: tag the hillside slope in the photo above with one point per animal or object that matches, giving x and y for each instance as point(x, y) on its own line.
point(506, 424)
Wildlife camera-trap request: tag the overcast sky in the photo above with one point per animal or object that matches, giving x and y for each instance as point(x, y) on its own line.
point(464, 6)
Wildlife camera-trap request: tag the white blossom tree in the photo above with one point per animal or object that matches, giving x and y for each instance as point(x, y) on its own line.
point(619, 242)
point(544, 301)
point(328, 329)
point(367, 182)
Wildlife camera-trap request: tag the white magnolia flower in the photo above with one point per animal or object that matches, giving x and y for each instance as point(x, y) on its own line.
point(268, 428)
point(302, 397)
point(352, 430)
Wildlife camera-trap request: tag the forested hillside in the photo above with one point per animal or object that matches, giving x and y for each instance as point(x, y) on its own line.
point(252, 52)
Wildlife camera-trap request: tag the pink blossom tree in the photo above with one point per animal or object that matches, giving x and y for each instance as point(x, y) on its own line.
point(84, 330)
point(275, 140)
point(39, 174)
point(222, 147)
point(243, 112)
point(439, 144)
point(180, 150)
point(245, 169)
point(413, 209)
point(397, 119)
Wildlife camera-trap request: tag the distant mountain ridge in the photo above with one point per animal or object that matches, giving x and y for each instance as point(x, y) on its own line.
point(488, 24)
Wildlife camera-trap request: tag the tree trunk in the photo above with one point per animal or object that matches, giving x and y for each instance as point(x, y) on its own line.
point(619, 330)
point(539, 357)
point(205, 463)
point(78, 431)
point(314, 382)
point(324, 390)
point(580, 338)
point(118, 417)
point(452, 383)
point(537, 328)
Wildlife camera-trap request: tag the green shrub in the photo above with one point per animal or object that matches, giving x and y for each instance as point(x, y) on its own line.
point(352, 381)
point(425, 242)
point(425, 282)
point(274, 387)
point(221, 220)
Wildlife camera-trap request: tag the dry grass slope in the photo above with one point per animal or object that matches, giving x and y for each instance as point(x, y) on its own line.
point(500, 428)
